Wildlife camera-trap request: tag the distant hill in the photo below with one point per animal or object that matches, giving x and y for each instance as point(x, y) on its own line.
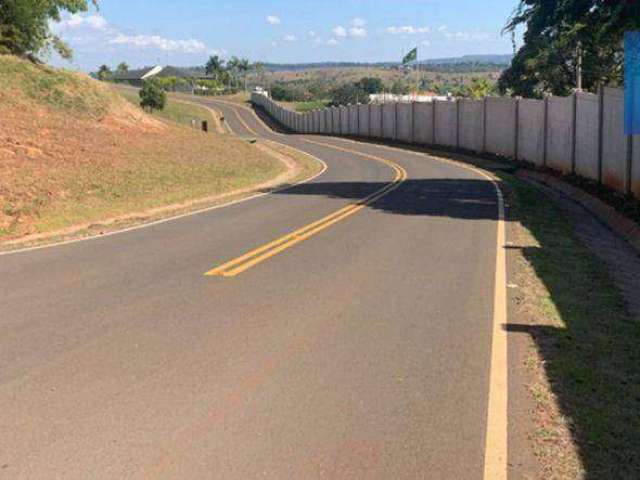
point(487, 59)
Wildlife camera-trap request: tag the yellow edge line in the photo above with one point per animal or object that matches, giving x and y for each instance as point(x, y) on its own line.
point(253, 257)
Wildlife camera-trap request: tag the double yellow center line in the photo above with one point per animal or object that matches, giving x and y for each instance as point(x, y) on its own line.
point(244, 262)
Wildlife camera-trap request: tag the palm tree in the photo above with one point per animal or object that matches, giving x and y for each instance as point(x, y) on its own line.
point(214, 66)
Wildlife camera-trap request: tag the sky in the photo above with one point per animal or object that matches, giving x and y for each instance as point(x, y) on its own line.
point(185, 33)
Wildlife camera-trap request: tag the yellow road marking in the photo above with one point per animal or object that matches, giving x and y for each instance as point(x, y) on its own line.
point(264, 252)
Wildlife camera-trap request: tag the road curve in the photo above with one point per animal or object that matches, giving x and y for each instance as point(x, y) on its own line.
point(363, 351)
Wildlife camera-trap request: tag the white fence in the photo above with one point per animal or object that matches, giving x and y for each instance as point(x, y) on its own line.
point(582, 133)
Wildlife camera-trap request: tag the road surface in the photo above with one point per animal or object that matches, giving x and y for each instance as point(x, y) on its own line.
point(362, 350)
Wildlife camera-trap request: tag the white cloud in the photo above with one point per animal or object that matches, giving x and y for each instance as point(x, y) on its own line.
point(358, 32)
point(161, 43)
point(290, 38)
point(273, 20)
point(340, 31)
point(77, 21)
point(312, 34)
point(407, 30)
point(470, 36)
point(426, 43)
point(442, 28)
point(333, 42)
point(358, 22)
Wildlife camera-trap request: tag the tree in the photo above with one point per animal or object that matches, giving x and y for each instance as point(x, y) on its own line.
point(371, 85)
point(558, 34)
point(25, 26)
point(152, 95)
point(122, 68)
point(349, 93)
point(480, 87)
point(214, 66)
point(104, 73)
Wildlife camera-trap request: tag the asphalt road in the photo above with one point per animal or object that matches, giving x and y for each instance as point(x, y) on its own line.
point(361, 352)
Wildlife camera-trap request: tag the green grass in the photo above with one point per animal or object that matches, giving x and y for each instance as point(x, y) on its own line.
point(589, 343)
point(174, 110)
point(61, 90)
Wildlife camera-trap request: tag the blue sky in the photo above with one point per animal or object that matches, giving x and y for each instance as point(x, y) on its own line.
point(145, 32)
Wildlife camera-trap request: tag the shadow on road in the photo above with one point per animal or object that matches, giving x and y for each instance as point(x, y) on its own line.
point(455, 198)
point(589, 343)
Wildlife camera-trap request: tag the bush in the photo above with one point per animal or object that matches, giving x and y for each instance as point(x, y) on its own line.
point(152, 96)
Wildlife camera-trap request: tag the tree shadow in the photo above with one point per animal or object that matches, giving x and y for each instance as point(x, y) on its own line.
point(592, 353)
point(438, 197)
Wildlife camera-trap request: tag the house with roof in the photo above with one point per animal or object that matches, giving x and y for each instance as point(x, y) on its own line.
point(135, 78)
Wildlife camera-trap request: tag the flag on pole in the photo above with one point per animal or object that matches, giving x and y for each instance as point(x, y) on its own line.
point(412, 56)
point(632, 83)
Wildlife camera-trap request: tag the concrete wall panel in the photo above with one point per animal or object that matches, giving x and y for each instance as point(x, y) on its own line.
point(328, 121)
point(404, 128)
point(423, 123)
point(389, 121)
point(363, 129)
point(471, 118)
point(501, 126)
point(446, 123)
point(344, 120)
point(560, 133)
point(353, 120)
point(376, 121)
point(615, 143)
point(531, 131)
point(335, 113)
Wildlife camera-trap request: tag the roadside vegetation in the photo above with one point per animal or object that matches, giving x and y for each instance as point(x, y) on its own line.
point(585, 361)
point(74, 152)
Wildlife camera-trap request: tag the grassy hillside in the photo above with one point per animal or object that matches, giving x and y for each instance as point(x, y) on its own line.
point(74, 152)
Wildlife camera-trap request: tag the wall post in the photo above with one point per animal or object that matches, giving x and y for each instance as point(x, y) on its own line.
point(574, 132)
point(413, 122)
point(484, 124)
point(544, 130)
point(458, 122)
point(516, 142)
point(600, 131)
point(433, 123)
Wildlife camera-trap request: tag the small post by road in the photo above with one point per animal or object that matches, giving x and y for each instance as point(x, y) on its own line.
point(205, 126)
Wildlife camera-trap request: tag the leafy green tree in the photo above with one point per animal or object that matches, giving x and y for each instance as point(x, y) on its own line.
point(480, 87)
point(214, 66)
point(104, 73)
point(152, 95)
point(122, 68)
point(25, 26)
point(559, 33)
point(400, 87)
point(349, 93)
point(371, 85)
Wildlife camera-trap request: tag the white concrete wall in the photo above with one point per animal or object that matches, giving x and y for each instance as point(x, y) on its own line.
point(614, 145)
point(587, 134)
point(376, 121)
point(353, 120)
point(389, 120)
point(328, 121)
point(404, 128)
point(560, 133)
point(337, 127)
point(446, 123)
point(344, 120)
point(531, 131)
point(501, 126)
point(363, 129)
point(423, 123)
point(471, 119)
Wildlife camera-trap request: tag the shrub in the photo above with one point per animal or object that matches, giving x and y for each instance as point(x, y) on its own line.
point(152, 95)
